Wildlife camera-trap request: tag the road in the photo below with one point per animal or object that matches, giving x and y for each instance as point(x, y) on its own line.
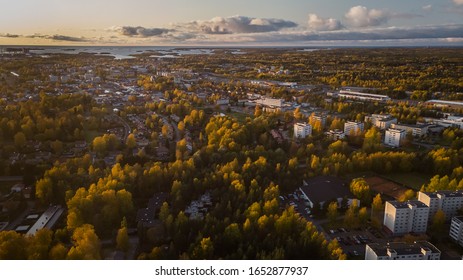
point(10, 178)
point(126, 126)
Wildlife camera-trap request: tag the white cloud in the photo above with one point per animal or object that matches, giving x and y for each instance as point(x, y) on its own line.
point(458, 2)
point(323, 24)
point(139, 31)
point(237, 24)
point(428, 7)
point(360, 16)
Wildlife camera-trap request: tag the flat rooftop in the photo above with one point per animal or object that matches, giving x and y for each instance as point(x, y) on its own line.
point(402, 248)
point(323, 188)
point(406, 204)
point(446, 193)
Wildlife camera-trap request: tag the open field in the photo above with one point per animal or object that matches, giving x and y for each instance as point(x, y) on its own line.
point(385, 187)
point(411, 180)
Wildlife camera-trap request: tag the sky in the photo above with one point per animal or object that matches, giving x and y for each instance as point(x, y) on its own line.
point(231, 22)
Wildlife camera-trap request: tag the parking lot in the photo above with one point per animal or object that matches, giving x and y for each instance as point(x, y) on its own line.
point(352, 241)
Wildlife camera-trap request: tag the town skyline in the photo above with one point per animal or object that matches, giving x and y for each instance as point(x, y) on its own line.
point(182, 23)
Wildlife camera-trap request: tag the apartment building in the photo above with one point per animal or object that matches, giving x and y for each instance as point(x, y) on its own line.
point(417, 130)
point(321, 118)
point(448, 201)
point(394, 137)
point(405, 217)
point(352, 128)
point(381, 121)
point(419, 250)
point(456, 230)
point(302, 130)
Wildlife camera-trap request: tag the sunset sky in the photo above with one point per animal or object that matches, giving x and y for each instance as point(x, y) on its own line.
point(237, 22)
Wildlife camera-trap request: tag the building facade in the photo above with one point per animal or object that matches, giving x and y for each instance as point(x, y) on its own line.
point(352, 128)
point(419, 250)
point(363, 96)
point(404, 217)
point(456, 230)
point(394, 137)
point(417, 130)
point(381, 121)
point(448, 201)
point(302, 130)
point(335, 134)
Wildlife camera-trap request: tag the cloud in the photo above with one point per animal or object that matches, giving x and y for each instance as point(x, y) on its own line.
point(361, 16)
point(55, 37)
point(323, 24)
point(423, 34)
point(458, 2)
point(238, 24)
point(140, 31)
point(427, 7)
point(65, 38)
point(8, 35)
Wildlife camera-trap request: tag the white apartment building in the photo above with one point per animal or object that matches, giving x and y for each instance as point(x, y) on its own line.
point(351, 128)
point(319, 118)
point(270, 102)
point(363, 96)
point(405, 217)
point(302, 130)
point(394, 137)
point(381, 121)
point(417, 130)
point(456, 230)
point(448, 201)
point(419, 250)
point(335, 134)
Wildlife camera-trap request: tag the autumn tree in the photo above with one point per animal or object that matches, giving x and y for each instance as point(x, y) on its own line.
point(20, 140)
point(332, 213)
point(122, 239)
point(86, 244)
point(360, 188)
point(437, 223)
point(131, 142)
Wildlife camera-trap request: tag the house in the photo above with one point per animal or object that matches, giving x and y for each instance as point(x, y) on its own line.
point(322, 189)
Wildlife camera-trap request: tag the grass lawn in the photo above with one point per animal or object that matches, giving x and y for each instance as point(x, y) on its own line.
point(241, 117)
point(91, 134)
point(412, 180)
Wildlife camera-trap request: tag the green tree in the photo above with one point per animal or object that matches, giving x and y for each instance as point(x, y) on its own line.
point(20, 140)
